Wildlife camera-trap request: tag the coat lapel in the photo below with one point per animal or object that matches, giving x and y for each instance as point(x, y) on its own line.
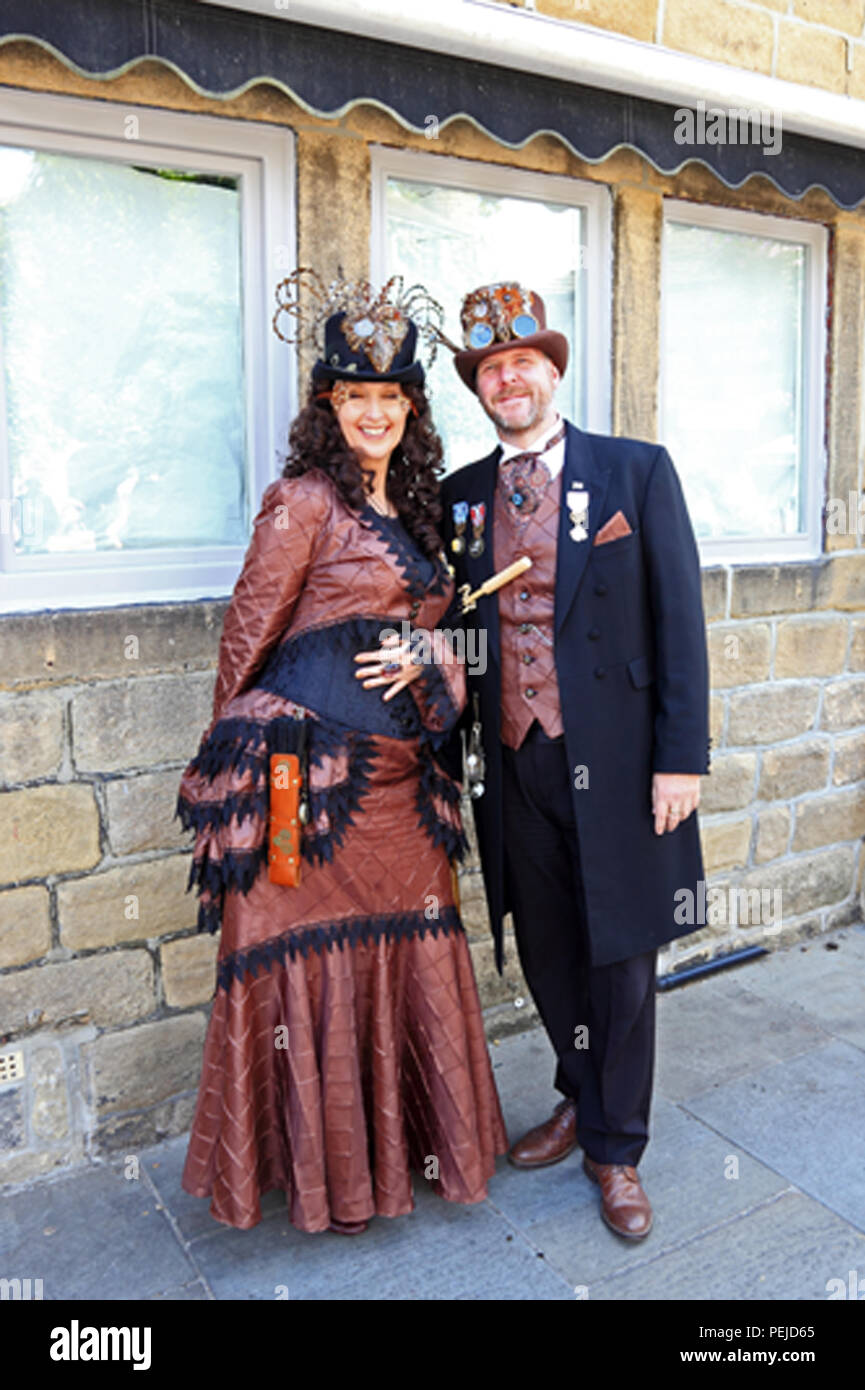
point(582, 465)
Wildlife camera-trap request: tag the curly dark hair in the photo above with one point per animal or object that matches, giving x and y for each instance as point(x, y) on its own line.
point(317, 441)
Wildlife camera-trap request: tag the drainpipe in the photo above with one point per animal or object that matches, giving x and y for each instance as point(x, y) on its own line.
point(709, 967)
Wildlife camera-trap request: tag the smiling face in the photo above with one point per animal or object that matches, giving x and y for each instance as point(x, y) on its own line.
point(372, 416)
point(516, 388)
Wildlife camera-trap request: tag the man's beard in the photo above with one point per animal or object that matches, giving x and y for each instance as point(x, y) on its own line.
point(509, 426)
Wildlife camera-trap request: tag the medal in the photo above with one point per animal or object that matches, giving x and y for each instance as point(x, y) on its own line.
point(578, 509)
point(460, 512)
point(478, 513)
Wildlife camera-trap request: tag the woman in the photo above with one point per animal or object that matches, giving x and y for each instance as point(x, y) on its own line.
point(345, 1043)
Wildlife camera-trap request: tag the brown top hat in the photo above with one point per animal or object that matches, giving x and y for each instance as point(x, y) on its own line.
point(501, 316)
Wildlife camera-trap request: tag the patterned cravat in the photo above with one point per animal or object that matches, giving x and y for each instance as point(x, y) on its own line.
point(524, 477)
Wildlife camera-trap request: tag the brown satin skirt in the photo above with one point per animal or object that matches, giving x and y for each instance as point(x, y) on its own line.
point(331, 1073)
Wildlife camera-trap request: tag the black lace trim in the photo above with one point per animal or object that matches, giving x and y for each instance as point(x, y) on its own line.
point(389, 927)
point(237, 870)
point(408, 558)
point(432, 783)
point(439, 708)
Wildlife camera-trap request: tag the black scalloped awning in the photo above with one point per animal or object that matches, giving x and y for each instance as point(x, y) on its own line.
point(221, 51)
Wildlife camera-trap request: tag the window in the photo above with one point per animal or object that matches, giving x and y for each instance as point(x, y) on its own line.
point(453, 225)
point(742, 352)
point(138, 417)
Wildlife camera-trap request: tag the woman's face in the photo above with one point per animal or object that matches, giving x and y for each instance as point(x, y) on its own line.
point(371, 415)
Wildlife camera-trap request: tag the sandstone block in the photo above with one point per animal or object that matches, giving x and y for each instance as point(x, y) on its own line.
point(739, 653)
point(730, 785)
point(825, 820)
point(189, 970)
point(105, 990)
point(121, 725)
point(132, 902)
point(771, 713)
point(31, 736)
point(773, 834)
point(25, 925)
point(142, 1066)
point(810, 647)
point(794, 768)
point(51, 829)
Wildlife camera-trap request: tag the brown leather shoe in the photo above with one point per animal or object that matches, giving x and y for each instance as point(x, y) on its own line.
point(549, 1142)
point(624, 1205)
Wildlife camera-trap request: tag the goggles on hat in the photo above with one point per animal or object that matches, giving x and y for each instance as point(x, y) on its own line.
point(497, 313)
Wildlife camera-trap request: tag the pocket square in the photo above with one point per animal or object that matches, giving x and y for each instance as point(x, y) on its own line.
point(613, 529)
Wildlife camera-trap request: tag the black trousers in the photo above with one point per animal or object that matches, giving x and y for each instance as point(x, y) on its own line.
point(600, 1019)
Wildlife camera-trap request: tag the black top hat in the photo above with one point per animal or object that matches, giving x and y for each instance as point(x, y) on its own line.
point(347, 343)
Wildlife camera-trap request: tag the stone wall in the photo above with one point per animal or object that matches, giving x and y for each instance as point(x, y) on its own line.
point(104, 983)
point(818, 42)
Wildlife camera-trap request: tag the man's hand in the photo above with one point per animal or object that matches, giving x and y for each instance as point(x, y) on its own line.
point(674, 796)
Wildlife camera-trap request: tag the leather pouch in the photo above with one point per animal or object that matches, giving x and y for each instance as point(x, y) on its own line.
point(284, 826)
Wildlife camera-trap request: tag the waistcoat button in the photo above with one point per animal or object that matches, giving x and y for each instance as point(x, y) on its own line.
point(524, 593)
point(528, 658)
point(531, 693)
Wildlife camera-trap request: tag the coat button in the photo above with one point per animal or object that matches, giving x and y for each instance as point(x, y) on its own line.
point(594, 633)
point(600, 590)
point(528, 658)
point(414, 610)
point(531, 693)
point(600, 672)
point(524, 593)
point(406, 721)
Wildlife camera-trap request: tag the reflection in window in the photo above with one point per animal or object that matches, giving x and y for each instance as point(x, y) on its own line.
point(121, 343)
point(734, 343)
point(452, 240)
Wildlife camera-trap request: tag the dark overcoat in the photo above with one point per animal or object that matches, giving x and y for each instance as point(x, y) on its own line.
point(632, 666)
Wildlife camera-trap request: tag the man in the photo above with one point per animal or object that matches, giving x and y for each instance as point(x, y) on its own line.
point(594, 717)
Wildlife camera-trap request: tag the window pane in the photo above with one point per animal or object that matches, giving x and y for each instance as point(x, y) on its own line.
point(120, 330)
point(733, 378)
point(452, 240)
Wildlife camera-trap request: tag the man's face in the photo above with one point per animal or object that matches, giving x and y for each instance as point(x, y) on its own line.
point(516, 388)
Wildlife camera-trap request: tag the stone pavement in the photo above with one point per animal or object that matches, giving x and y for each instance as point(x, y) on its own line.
point(756, 1171)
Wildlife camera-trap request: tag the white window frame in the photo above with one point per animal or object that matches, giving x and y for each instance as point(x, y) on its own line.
point(262, 157)
point(477, 177)
point(806, 544)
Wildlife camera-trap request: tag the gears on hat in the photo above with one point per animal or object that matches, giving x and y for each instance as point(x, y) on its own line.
point(367, 336)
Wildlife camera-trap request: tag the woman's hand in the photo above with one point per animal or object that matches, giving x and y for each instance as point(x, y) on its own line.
point(391, 665)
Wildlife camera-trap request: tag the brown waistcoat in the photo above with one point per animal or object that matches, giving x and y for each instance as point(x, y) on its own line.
point(530, 686)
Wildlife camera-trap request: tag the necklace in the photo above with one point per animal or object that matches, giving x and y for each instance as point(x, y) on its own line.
point(382, 510)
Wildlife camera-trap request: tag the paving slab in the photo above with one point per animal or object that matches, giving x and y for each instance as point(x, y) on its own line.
point(163, 1164)
point(787, 1249)
point(442, 1250)
point(92, 1235)
point(824, 983)
point(684, 1172)
point(717, 1029)
point(805, 1118)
